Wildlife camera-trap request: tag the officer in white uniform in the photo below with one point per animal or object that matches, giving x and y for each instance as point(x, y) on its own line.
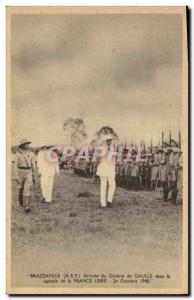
point(47, 169)
point(106, 172)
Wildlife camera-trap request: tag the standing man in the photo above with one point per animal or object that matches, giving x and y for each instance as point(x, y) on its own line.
point(154, 176)
point(117, 174)
point(173, 172)
point(47, 171)
point(128, 182)
point(135, 175)
point(25, 173)
point(106, 172)
point(164, 179)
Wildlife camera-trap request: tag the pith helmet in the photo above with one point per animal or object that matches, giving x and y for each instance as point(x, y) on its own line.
point(24, 142)
point(108, 137)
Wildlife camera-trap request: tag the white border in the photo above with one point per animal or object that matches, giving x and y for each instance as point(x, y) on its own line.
point(3, 4)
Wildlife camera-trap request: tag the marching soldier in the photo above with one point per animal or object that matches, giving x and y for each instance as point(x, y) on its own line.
point(25, 173)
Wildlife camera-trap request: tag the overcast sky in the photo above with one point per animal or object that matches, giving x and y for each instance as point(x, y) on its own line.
point(124, 71)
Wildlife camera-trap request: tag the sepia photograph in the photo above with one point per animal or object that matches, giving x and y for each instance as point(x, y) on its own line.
point(97, 150)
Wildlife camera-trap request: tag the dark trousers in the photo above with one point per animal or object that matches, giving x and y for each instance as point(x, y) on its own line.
point(122, 181)
point(142, 181)
point(20, 196)
point(174, 189)
point(154, 182)
point(147, 184)
point(134, 181)
point(165, 187)
point(128, 182)
point(117, 180)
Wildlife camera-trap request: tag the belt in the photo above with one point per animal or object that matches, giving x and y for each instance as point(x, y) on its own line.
point(25, 168)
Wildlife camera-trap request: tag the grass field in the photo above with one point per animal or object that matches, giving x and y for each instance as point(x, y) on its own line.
point(141, 233)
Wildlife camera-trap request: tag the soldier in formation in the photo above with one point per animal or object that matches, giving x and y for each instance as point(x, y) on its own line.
point(159, 169)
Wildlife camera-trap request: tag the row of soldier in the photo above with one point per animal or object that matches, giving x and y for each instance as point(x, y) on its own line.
point(159, 170)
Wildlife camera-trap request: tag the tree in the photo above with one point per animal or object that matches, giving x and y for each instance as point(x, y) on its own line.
point(74, 130)
point(105, 130)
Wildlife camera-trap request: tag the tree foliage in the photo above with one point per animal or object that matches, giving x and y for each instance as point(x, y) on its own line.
point(106, 130)
point(75, 132)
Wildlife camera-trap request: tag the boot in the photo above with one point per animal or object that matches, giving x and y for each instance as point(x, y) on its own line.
point(109, 204)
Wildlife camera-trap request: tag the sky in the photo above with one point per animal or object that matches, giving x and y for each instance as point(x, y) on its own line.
point(120, 70)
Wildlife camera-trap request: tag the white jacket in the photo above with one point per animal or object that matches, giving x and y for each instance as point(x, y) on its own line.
point(46, 167)
point(106, 167)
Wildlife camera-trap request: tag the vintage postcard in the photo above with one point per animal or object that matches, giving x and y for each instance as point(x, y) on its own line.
point(97, 150)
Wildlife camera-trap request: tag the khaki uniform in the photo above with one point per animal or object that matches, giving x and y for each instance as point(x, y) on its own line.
point(24, 170)
point(164, 181)
point(134, 176)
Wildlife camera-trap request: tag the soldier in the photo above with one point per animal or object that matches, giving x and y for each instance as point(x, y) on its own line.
point(148, 171)
point(95, 167)
point(126, 167)
point(122, 175)
point(154, 176)
point(160, 156)
point(117, 174)
point(75, 167)
point(164, 180)
point(142, 174)
point(180, 175)
point(47, 171)
point(128, 181)
point(106, 171)
point(25, 173)
point(173, 172)
point(135, 175)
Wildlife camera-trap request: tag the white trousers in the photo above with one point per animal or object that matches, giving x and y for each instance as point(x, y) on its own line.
point(103, 189)
point(47, 187)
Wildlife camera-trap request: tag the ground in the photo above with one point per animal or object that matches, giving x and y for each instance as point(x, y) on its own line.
point(140, 234)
